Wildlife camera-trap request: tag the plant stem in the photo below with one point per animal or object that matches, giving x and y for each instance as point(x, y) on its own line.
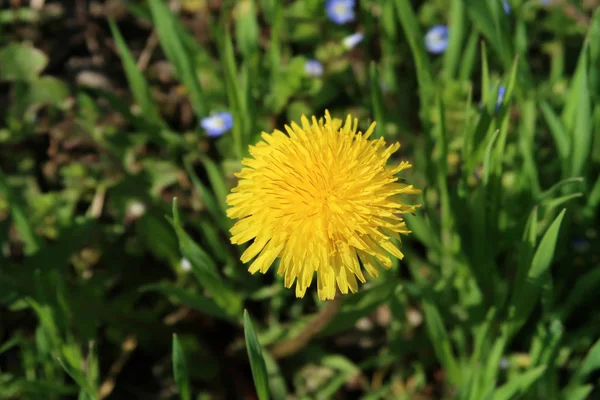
point(312, 328)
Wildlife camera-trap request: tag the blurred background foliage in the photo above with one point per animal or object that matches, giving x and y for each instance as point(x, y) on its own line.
point(101, 106)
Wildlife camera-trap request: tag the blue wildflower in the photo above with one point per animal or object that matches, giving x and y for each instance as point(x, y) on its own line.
point(436, 39)
point(217, 124)
point(313, 68)
point(340, 11)
point(351, 41)
point(500, 99)
point(580, 245)
point(506, 6)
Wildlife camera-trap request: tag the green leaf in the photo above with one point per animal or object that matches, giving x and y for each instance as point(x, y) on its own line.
point(246, 27)
point(421, 228)
point(557, 187)
point(234, 90)
point(47, 90)
point(79, 378)
point(468, 59)
point(594, 196)
point(554, 203)
point(438, 335)
point(545, 251)
point(526, 250)
point(197, 301)
point(589, 365)
point(137, 83)
point(487, 157)
point(526, 293)
point(582, 131)
point(172, 44)
point(519, 384)
point(526, 142)
point(257, 363)
point(481, 335)
point(490, 373)
point(180, 371)
point(558, 132)
point(21, 62)
point(485, 75)
point(205, 269)
point(217, 182)
point(14, 341)
point(577, 393)
point(546, 342)
point(414, 36)
point(456, 28)
point(345, 369)
point(276, 381)
point(214, 208)
point(17, 211)
point(487, 20)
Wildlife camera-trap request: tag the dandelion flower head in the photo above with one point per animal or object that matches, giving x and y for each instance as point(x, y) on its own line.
point(322, 199)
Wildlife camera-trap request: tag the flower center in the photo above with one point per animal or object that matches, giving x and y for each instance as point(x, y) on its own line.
point(340, 8)
point(218, 122)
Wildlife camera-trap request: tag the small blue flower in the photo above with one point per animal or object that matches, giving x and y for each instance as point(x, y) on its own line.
point(436, 39)
point(340, 11)
point(506, 6)
point(501, 92)
point(580, 245)
point(384, 87)
point(313, 68)
point(217, 124)
point(351, 41)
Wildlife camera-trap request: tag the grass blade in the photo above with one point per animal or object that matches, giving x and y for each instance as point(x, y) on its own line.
point(137, 83)
point(519, 385)
point(234, 90)
point(456, 29)
point(527, 292)
point(558, 132)
point(17, 211)
point(589, 365)
point(79, 378)
point(246, 27)
point(205, 269)
point(582, 131)
point(217, 181)
point(178, 295)
point(377, 101)
point(257, 362)
point(414, 36)
point(441, 341)
point(180, 371)
point(172, 45)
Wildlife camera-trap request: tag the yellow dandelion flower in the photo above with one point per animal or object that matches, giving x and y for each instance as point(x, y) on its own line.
point(321, 199)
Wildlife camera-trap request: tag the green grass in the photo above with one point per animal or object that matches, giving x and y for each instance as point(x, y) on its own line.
point(117, 277)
